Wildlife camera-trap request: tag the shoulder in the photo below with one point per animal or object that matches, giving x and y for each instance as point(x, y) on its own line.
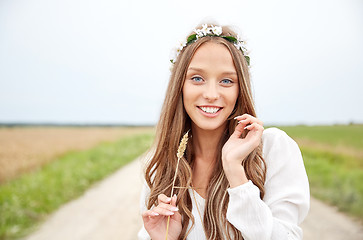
point(274, 139)
point(280, 151)
point(273, 133)
point(282, 155)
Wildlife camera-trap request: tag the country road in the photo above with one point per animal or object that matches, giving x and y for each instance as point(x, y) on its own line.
point(110, 210)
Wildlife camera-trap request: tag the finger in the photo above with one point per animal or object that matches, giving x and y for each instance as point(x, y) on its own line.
point(162, 211)
point(243, 116)
point(177, 215)
point(254, 135)
point(169, 207)
point(254, 126)
point(149, 213)
point(238, 130)
point(247, 118)
point(242, 125)
point(162, 198)
point(251, 120)
point(255, 130)
point(173, 200)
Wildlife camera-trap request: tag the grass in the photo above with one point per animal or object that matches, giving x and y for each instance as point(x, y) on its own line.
point(27, 200)
point(23, 149)
point(335, 174)
point(336, 179)
point(346, 135)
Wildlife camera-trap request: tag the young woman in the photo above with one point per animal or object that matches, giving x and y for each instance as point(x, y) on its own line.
point(236, 180)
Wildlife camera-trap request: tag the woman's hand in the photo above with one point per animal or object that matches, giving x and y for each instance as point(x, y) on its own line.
point(236, 149)
point(155, 220)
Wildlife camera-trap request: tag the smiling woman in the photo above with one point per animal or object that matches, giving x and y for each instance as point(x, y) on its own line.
point(236, 181)
point(211, 86)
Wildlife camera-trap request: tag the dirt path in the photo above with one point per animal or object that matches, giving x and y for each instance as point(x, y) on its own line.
point(325, 222)
point(110, 210)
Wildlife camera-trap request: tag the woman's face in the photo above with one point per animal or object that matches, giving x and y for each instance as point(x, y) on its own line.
point(211, 87)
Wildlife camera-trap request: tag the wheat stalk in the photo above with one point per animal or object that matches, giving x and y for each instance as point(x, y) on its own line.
point(179, 154)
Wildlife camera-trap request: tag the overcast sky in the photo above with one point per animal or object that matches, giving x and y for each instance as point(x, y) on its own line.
point(107, 61)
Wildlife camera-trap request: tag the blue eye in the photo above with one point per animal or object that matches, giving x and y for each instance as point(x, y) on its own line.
point(197, 79)
point(226, 81)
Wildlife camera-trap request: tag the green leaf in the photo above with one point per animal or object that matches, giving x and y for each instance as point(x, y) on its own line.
point(230, 38)
point(191, 38)
point(248, 60)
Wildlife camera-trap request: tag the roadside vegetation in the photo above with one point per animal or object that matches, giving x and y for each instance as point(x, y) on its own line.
point(333, 157)
point(26, 148)
point(28, 199)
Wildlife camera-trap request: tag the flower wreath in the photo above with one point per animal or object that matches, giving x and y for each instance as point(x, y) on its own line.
point(214, 31)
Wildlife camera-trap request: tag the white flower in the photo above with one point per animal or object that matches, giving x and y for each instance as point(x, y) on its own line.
point(243, 46)
point(205, 29)
point(176, 51)
point(208, 31)
point(199, 33)
point(217, 30)
point(173, 54)
point(244, 49)
point(181, 46)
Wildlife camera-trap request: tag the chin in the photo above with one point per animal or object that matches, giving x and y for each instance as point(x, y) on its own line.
point(211, 126)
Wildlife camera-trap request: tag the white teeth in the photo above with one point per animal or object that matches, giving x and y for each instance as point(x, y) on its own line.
point(210, 109)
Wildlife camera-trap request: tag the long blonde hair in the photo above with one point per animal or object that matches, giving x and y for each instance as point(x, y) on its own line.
point(174, 122)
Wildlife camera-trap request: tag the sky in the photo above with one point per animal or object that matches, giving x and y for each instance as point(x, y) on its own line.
point(107, 62)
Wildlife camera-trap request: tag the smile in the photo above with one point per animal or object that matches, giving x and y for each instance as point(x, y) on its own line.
point(210, 110)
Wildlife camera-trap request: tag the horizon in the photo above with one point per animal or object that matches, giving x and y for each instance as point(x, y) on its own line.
point(109, 63)
point(77, 124)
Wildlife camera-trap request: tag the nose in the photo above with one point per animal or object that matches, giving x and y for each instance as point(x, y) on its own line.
point(211, 92)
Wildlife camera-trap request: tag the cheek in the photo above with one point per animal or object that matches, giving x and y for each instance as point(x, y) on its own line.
point(189, 93)
point(184, 95)
point(232, 97)
point(186, 98)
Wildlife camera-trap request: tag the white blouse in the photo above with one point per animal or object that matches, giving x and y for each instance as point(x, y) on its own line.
point(284, 206)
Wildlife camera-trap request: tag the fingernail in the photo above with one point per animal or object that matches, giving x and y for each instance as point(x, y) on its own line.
point(155, 213)
point(169, 213)
point(235, 117)
point(175, 196)
point(168, 199)
point(175, 209)
point(246, 127)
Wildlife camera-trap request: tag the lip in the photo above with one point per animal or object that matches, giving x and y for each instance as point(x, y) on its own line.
point(211, 115)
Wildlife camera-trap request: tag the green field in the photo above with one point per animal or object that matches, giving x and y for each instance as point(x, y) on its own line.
point(344, 135)
point(333, 157)
point(27, 200)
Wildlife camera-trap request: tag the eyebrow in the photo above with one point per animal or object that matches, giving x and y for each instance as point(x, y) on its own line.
point(201, 70)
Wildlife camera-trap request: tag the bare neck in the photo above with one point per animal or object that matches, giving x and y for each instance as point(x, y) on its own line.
point(205, 144)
